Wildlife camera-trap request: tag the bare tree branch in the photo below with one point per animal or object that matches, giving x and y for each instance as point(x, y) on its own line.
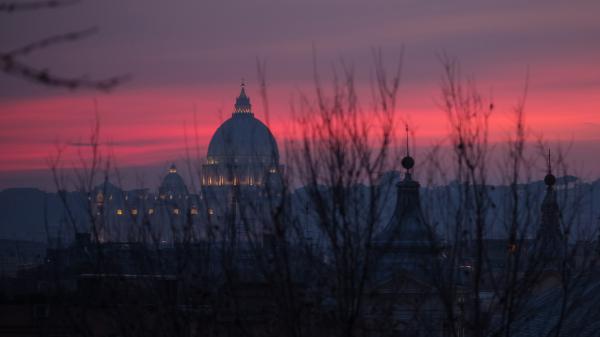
point(52, 40)
point(34, 5)
point(10, 66)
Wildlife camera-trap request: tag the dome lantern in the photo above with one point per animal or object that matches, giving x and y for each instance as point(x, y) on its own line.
point(242, 102)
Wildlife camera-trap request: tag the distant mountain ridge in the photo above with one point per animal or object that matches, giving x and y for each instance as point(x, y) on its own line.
point(28, 214)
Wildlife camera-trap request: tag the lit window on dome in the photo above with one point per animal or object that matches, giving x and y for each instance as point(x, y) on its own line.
point(134, 211)
point(119, 212)
point(176, 211)
point(211, 211)
point(194, 211)
point(273, 170)
point(170, 197)
point(151, 211)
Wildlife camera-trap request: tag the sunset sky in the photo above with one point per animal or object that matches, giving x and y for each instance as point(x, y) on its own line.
point(186, 56)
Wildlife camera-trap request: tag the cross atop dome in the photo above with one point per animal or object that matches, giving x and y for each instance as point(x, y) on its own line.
point(242, 102)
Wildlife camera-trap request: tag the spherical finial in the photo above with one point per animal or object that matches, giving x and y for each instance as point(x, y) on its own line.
point(408, 162)
point(550, 179)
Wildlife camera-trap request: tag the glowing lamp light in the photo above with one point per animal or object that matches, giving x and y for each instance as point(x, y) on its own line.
point(119, 212)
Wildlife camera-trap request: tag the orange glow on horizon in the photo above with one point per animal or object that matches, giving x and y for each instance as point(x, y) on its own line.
point(147, 126)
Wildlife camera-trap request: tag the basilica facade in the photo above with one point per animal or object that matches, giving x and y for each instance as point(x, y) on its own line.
point(240, 172)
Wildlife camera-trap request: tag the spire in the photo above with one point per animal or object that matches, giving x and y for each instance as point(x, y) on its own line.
point(550, 211)
point(407, 149)
point(550, 179)
point(242, 102)
point(407, 162)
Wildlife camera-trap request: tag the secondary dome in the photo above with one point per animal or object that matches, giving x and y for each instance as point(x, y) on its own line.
point(172, 184)
point(243, 138)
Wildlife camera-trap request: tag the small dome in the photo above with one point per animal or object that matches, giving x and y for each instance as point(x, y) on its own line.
point(173, 183)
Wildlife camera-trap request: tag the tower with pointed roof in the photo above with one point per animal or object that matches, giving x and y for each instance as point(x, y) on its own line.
point(407, 238)
point(550, 239)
